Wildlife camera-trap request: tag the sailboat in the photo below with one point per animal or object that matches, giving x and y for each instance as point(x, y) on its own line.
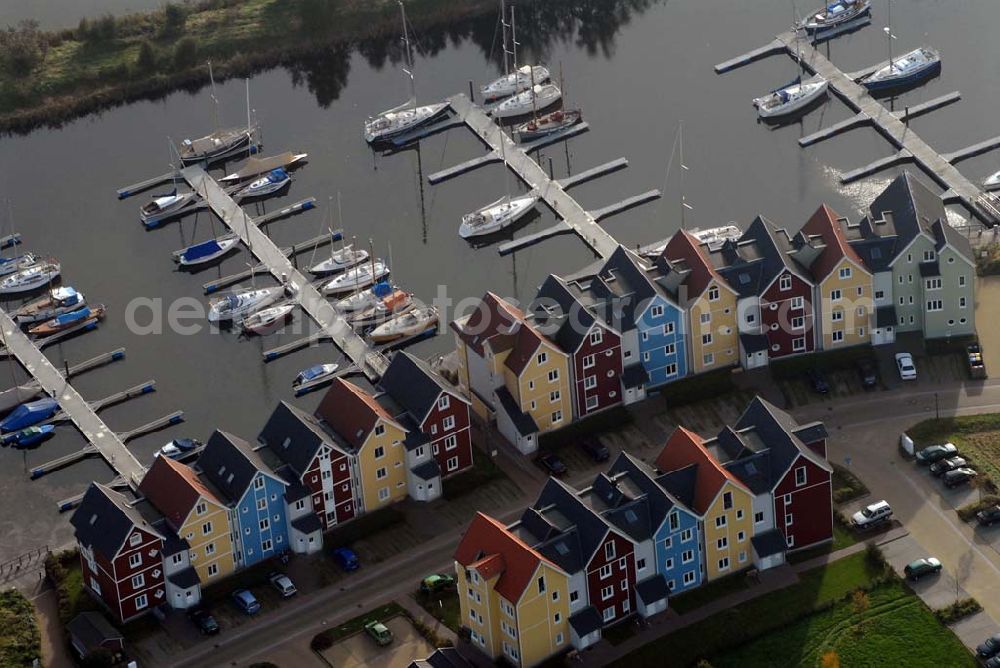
point(223, 142)
point(242, 303)
point(343, 259)
point(207, 251)
point(791, 97)
point(413, 322)
point(164, 207)
point(540, 126)
point(407, 116)
point(905, 70)
point(59, 301)
point(364, 299)
point(31, 278)
point(267, 320)
point(835, 14)
point(523, 77)
point(8, 265)
point(500, 214)
point(68, 320)
point(393, 304)
point(276, 180)
point(356, 278)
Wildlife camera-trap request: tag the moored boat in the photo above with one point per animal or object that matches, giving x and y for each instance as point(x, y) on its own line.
point(905, 70)
point(496, 216)
point(343, 259)
point(391, 305)
point(31, 278)
point(29, 413)
point(717, 235)
point(206, 251)
point(178, 448)
point(515, 82)
point(164, 207)
point(13, 397)
point(413, 322)
point(59, 301)
point(355, 278)
point(29, 436)
point(835, 14)
point(242, 303)
point(546, 124)
point(992, 182)
point(315, 374)
point(217, 145)
point(791, 98)
point(525, 102)
point(364, 298)
point(267, 320)
point(68, 320)
point(8, 265)
point(275, 180)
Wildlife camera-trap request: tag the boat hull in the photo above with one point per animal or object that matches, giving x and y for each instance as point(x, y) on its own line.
point(45, 309)
point(24, 281)
point(347, 283)
point(400, 122)
point(224, 247)
point(521, 104)
point(815, 92)
point(499, 217)
point(219, 313)
point(54, 326)
point(207, 149)
point(514, 83)
point(29, 414)
point(814, 25)
point(548, 125)
point(269, 320)
point(916, 75)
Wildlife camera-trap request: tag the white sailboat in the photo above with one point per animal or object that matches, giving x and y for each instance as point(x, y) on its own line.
point(408, 115)
point(222, 143)
point(521, 78)
point(411, 323)
point(31, 278)
point(356, 278)
point(794, 96)
point(500, 214)
point(242, 303)
point(534, 99)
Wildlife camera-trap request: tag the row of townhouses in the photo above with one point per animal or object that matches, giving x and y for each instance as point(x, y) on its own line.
point(238, 503)
point(637, 321)
point(579, 561)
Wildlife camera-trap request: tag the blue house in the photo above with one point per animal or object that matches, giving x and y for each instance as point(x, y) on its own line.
point(672, 547)
point(661, 339)
point(254, 494)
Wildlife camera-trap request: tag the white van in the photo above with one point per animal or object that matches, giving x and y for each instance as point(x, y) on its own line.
point(873, 514)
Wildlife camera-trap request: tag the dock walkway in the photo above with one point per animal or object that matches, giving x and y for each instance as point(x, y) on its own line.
point(333, 325)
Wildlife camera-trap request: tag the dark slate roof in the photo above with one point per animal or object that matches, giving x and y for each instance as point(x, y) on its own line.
point(93, 629)
point(681, 483)
point(308, 523)
point(586, 621)
point(172, 543)
point(104, 519)
point(415, 438)
point(875, 252)
point(643, 478)
point(754, 471)
point(305, 432)
point(633, 519)
point(634, 375)
point(754, 343)
point(443, 657)
point(752, 262)
point(414, 385)
point(523, 422)
point(230, 464)
point(428, 470)
point(931, 268)
point(653, 589)
point(185, 579)
point(944, 232)
point(625, 280)
point(885, 316)
point(558, 314)
point(590, 527)
point(769, 543)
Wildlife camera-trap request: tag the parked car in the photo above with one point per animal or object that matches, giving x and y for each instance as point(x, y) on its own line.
point(379, 632)
point(437, 582)
point(597, 450)
point(993, 663)
point(346, 559)
point(974, 357)
point(958, 477)
point(989, 516)
point(204, 621)
point(935, 453)
point(552, 465)
point(872, 515)
point(868, 373)
point(904, 362)
point(246, 601)
point(283, 584)
point(940, 468)
point(817, 381)
point(989, 647)
point(921, 567)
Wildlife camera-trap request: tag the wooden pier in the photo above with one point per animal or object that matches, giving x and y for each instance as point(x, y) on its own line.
point(333, 325)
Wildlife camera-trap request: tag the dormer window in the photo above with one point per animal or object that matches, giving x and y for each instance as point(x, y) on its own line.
point(201, 508)
point(845, 273)
point(258, 482)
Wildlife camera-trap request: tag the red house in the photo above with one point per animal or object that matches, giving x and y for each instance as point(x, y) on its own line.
point(313, 458)
point(565, 311)
point(121, 554)
point(435, 407)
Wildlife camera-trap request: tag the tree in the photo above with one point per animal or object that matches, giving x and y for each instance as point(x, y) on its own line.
point(175, 17)
point(22, 48)
point(185, 54)
point(146, 60)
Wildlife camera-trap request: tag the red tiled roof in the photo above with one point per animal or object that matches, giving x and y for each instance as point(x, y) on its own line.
point(173, 488)
point(493, 315)
point(683, 246)
point(487, 543)
point(684, 448)
point(823, 224)
point(351, 412)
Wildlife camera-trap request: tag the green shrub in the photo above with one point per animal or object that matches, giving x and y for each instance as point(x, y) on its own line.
point(175, 16)
point(968, 512)
point(22, 48)
point(958, 610)
point(185, 54)
point(146, 60)
point(20, 641)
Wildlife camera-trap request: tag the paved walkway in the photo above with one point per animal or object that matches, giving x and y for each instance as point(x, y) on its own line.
point(418, 613)
point(55, 649)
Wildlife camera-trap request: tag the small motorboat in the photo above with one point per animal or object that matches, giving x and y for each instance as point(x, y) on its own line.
point(993, 182)
point(791, 98)
point(396, 121)
point(836, 13)
point(359, 301)
point(31, 278)
point(68, 321)
point(545, 125)
point(13, 397)
point(242, 303)
point(356, 278)
point(8, 265)
point(219, 144)
point(164, 207)
point(275, 180)
point(315, 374)
point(206, 251)
point(178, 448)
point(29, 413)
point(905, 70)
point(267, 320)
point(714, 236)
point(515, 82)
point(533, 99)
point(343, 259)
point(56, 303)
point(29, 436)
point(391, 305)
point(496, 216)
point(416, 321)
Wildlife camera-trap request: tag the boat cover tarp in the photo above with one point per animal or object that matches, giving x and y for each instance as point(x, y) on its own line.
point(65, 296)
point(277, 175)
point(312, 373)
point(30, 413)
point(78, 315)
point(202, 250)
point(382, 289)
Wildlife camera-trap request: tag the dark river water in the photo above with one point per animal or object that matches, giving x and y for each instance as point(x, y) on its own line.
point(637, 70)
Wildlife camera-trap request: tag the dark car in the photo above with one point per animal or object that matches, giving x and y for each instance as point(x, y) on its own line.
point(817, 381)
point(959, 476)
point(246, 601)
point(346, 559)
point(935, 453)
point(940, 468)
point(205, 622)
point(868, 373)
point(553, 465)
point(989, 517)
point(993, 663)
point(990, 647)
point(921, 567)
point(597, 450)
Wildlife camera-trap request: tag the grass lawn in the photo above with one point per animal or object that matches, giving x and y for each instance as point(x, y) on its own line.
point(20, 642)
point(355, 625)
point(842, 537)
point(484, 471)
point(846, 485)
point(977, 438)
point(443, 606)
point(691, 600)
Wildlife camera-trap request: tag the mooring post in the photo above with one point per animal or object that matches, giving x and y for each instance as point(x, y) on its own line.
point(472, 93)
point(66, 369)
point(551, 172)
point(906, 116)
point(295, 258)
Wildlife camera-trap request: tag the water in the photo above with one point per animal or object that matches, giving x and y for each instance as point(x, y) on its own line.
point(637, 71)
point(56, 14)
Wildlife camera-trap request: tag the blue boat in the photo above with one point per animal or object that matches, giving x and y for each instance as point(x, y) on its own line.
point(315, 374)
point(275, 180)
point(29, 414)
point(28, 437)
point(207, 251)
point(906, 70)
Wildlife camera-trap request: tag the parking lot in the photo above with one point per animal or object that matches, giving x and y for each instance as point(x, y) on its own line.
point(359, 650)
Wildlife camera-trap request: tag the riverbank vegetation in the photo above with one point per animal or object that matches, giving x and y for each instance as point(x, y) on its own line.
point(51, 77)
point(20, 641)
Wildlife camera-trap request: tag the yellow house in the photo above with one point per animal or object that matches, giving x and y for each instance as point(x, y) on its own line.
point(195, 513)
point(710, 303)
point(536, 373)
point(724, 503)
point(374, 437)
point(844, 287)
point(514, 601)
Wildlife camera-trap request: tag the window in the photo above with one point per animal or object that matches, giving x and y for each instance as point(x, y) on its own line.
point(687, 535)
point(640, 564)
point(934, 305)
point(845, 273)
point(713, 293)
point(668, 329)
point(607, 592)
point(727, 500)
point(724, 564)
point(788, 519)
point(708, 359)
point(706, 339)
point(559, 636)
point(625, 606)
point(928, 256)
point(138, 581)
point(739, 514)
point(800, 476)
point(656, 311)
point(379, 452)
point(722, 543)
point(608, 614)
point(213, 570)
point(675, 520)
point(934, 283)
point(687, 556)
point(961, 281)
point(787, 499)
point(688, 577)
point(141, 601)
point(623, 585)
point(95, 586)
point(605, 571)
point(742, 557)
point(741, 536)
point(720, 521)
point(837, 315)
point(452, 464)
point(383, 494)
point(596, 337)
point(134, 560)
point(555, 595)
point(670, 370)
point(835, 295)
point(450, 443)
point(135, 539)
point(258, 482)
point(206, 528)
point(861, 290)
point(961, 302)
point(798, 322)
point(669, 564)
point(557, 417)
point(799, 344)
point(554, 396)
point(262, 503)
point(300, 504)
point(380, 473)
point(553, 375)
point(837, 336)
point(201, 508)
point(379, 429)
point(267, 546)
point(588, 361)
point(444, 401)
point(785, 282)
point(574, 596)
point(589, 382)
point(265, 524)
point(609, 550)
point(879, 294)
point(758, 517)
point(177, 558)
point(706, 318)
point(797, 303)
point(542, 357)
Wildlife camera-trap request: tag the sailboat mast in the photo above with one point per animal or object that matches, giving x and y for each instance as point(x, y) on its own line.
point(680, 140)
point(409, 55)
point(513, 39)
point(247, 80)
point(215, 100)
point(503, 31)
point(888, 32)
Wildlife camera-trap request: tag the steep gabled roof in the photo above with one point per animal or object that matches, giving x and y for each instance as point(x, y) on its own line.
point(563, 506)
point(526, 342)
point(824, 224)
point(352, 412)
point(560, 315)
point(776, 251)
point(105, 519)
point(685, 448)
point(494, 318)
point(414, 385)
point(174, 488)
point(304, 435)
point(230, 464)
point(686, 250)
point(488, 543)
point(642, 477)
